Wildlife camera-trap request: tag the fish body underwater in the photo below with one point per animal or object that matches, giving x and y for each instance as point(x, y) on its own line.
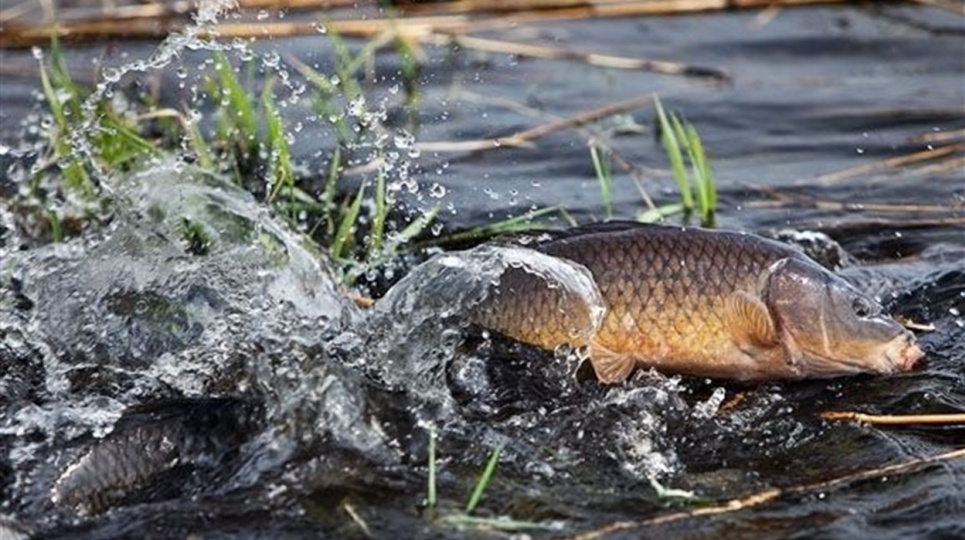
point(699, 302)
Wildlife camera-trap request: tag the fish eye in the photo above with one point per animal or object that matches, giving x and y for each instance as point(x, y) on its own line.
point(862, 308)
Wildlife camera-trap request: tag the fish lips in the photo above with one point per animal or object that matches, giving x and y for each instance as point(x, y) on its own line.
point(903, 353)
point(900, 354)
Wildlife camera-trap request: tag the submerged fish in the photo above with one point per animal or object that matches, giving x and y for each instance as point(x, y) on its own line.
point(700, 302)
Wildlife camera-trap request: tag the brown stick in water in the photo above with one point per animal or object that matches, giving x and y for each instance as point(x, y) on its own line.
point(766, 496)
point(895, 419)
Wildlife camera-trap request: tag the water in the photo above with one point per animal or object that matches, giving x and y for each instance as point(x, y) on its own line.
point(273, 406)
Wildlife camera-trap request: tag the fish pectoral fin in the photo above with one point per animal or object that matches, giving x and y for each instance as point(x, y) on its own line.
point(749, 322)
point(610, 367)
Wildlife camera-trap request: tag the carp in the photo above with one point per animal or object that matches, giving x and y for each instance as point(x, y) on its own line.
point(700, 302)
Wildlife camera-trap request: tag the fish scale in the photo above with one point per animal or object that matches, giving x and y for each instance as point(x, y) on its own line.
point(711, 303)
point(655, 277)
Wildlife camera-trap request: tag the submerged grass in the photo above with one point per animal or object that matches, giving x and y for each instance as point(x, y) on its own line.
point(484, 480)
point(466, 518)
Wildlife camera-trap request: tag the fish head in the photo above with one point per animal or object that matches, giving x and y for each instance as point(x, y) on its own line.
point(829, 328)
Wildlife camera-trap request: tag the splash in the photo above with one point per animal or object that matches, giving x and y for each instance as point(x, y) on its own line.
point(136, 314)
point(417, 326)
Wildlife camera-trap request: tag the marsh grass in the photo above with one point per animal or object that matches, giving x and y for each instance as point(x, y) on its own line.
point(684, 148)
point(688, 163)
point(484, 479)
point(601, 164)
point(465, 518)
point(359, 221)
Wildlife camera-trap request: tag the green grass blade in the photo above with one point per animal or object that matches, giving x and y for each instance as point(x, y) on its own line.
point(344, 70)
point(56, 230)
point(484, 479)
point(675, 155)
point(517, 224)
point(331, 185)
point(656, 214)
point(72, 168)
point(197, 142)
point(241, 111)
point(602, 166)
point(56, 108)
point(347, 224)
point(431, 489)
point(283, 175)
point(706, 184)
point(418, 225)
point(377, 230)
point(500, 523)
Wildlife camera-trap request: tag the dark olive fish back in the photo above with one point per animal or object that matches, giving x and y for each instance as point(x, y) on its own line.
point(662, 287)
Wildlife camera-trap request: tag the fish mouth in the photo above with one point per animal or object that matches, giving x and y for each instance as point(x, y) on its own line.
point(901, 354)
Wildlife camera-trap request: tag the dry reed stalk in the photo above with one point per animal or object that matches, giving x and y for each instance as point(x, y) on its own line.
point(525, 137)
point(151, 10)
point(766, 496)
point(792, 201)
point(296, 5)
point(912, 325)
point(765, 17)
point(17, 11)
point(885, 164)
point(895, 419)
point(23, 36)
point(939, 136)
point(942, 166)
point(841, 227)
point(637, 172)
point(603, 8)
point(593, 59)
point(953, 6)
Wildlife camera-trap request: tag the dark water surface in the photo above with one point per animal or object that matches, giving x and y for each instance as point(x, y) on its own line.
point(146, 392)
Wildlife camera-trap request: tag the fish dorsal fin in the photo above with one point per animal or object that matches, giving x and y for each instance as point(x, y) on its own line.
point(610, 367)
point(749, 322)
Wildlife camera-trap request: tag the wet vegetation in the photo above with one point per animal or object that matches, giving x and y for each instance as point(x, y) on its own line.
point(182, 347)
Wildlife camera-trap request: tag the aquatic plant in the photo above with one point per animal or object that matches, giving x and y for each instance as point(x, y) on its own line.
point(682, 143)
point(466, 518)
point(601, 164)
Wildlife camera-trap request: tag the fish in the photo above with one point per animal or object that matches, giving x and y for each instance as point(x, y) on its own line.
point(700, 302)
point(152, 449)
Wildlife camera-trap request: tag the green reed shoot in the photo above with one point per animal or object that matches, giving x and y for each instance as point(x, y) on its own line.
point(659, 213)
point(601, 163)
point(514, 225)
point(237, 120)
point(680, 139)
point(280, 164)
point(431, 499)
point(347, 225)
point(56, 229)
point(328, 195)
point(56, 81)
point(484, 479)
